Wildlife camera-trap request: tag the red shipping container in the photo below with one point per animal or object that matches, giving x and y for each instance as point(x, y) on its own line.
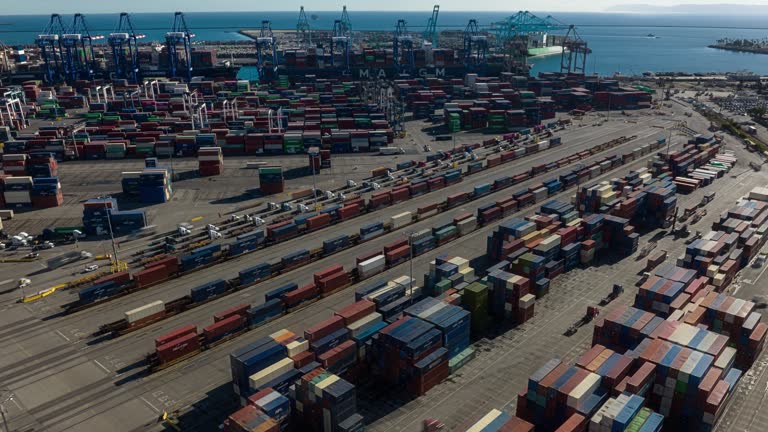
point(169, 337)
point(170, 262)
point(356, 311)
point(397, 254)
point(396, 245)
point(332, 356)
point(301, 294)
point(121, 278)
point(318, 221)
point(150, 276)
point(367, 256)
point(221, 328)
point(178, 348)
point(328, 272)
point(241, 310)
point(302, 359)
point(575, 423)
point(324, 328)
point(333, 282)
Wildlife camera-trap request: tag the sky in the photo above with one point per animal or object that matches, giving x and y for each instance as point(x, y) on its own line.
point(44, 7)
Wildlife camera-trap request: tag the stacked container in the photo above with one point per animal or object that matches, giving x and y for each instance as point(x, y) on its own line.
point(271, 180)
point(155, 186)
point(17, 192)
point(15, 164)
point(42, 165)
point(46, 192)
point(210, 161)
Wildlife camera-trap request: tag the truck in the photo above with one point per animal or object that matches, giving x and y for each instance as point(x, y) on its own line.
point(391, 150)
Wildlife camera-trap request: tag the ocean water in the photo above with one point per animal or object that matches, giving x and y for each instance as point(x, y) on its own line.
point(619, 42)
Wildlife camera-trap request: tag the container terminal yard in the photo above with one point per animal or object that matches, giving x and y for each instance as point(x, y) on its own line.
point(400, 232)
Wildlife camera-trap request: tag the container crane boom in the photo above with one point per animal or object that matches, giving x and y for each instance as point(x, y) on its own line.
point(125, 49)
point(430, 33)
point(303, 30)
point(402, 47)
point(179, 36)
point(49, 42)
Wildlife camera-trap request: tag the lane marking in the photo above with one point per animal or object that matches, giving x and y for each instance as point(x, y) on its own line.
point(150, 405)
point(102, 366)
point(62, 335)
point(7, 281)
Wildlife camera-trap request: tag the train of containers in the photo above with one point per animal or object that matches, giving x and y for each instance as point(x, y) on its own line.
point(100, 215)
point(392, 334)
point(508, 292)
point(375, 262)
point(511, 102)
point(684, 344)
point(326, 113)
point(30, 181)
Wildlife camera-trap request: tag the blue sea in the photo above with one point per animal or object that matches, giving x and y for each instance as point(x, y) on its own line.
point(619, 42)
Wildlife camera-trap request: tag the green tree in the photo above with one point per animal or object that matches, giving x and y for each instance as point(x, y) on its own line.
point(757, 112)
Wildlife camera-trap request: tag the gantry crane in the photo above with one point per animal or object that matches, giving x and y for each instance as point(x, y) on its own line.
point(266, 44)
point(125, 50)
point(341, 39)
point(475, 45)
point(303, 31)
point(430, 33)
point(179, 38)
point(402, 48)
point(573, 58)
point(49, 42)
point(512, 38)
point(77, 49)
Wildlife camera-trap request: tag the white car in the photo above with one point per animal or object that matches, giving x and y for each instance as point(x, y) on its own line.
point(47, 245)
point(91, 268)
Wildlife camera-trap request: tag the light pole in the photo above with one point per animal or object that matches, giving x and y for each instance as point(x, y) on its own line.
point(5, 396)
point(410, 250)
point(314, 152)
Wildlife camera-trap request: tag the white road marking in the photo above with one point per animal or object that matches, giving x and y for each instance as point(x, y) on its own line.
point(150, 405)
point(102, 366)
point(7, 281)
point(62, 335)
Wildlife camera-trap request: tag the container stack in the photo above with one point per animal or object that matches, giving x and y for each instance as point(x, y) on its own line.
point(323, 401)
point(510, 296)
point(96, 215)
point(210, 161)
point(124, 222)
point(17, 192)
point(500, 421)
point(15, 164)
point(42, 165)
point(155, 186)
point(446, 273)
point(46, 192)
point(452, 321)
point(474, 297)
point(131, 183)
point(271, 180)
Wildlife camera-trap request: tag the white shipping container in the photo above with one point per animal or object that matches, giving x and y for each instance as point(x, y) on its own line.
point(527, 301)
point(468, 273)
point(318, 390)
point(18, 180)
point(371, 266)
point(14, 157)
point(582, 391)
point(401, 219)
point(725, 360)
point(467, 225)
point(297, 347)
point(17, 197)
point(364, 323)
point(269, 373)
point(6, 214)
point(142, 312)
point(485, 421)
point(405, 281)
point(208, 158)
point(459, 262)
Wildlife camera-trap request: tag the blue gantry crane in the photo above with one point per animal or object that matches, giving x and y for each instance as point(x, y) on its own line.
point(124, 42)
point(475, 45)
point(303, 31)
point(430, 33)
point(266, 44)
point(77, 50)
point(402, 48)
point(49, 43)
point(341, 40)
point(178, 44)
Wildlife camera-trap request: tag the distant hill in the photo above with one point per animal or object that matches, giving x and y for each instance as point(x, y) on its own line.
point(695, 9)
